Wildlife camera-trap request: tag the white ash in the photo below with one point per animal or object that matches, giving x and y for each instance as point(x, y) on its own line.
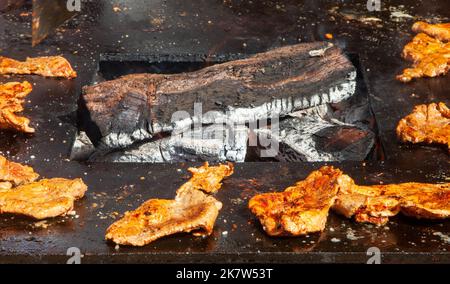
point(82, 147)
point(212, 143)
point(303, 137)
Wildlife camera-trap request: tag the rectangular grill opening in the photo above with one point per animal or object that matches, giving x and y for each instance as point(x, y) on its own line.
point(343, 131)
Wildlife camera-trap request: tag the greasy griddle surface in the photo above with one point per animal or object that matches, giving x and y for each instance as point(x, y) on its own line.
point(237, 234)
point(52, 108)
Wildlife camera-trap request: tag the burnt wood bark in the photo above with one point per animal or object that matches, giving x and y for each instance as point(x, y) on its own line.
point(275, 83)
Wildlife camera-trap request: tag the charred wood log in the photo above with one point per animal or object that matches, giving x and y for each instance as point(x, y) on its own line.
point(137, 107)
point(317, 135)
point(215, 143)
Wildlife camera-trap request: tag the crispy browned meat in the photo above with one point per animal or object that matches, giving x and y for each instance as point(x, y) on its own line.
point(13, 174)
point(430, 57)
point(192, 210)
point(206, 178)
point(48, 66)
point(303, 208)
point(375, 204)
point(11, 99)
point(300, 209)
point(438, 31)
point(43, 199)
point(426, 124)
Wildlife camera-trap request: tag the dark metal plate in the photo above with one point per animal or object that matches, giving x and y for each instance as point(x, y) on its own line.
point(178, 27)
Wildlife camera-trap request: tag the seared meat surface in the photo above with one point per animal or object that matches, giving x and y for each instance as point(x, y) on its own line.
point(300, 209)
point(12, 96)
point(48, 66)
point(192, 211)
point(43, 199)
point(303, 208)
point(428, 51)
point(375, 204)
point(438, 31)
point(206, 178)
point(13, 174)
point(426, 124)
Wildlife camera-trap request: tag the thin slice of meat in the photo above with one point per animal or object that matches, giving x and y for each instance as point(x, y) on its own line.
point(43, 199)
point(300, 209)
point(438, 31)
point(192, 211)
point(47, 66)
point(375, 204)
point(364, 203)
point(426, 124)
point(303, 208)
point(430, 57)
point(206, 178)
point(11, 99)
point(14, 174)
point(15, 89)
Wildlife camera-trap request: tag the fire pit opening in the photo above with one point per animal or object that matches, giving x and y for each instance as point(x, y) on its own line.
point(342, 131)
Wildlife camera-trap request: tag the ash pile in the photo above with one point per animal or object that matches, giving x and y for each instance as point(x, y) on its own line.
point(295, 103)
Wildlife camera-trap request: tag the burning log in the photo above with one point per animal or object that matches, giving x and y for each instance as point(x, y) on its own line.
point(136, 108)
point(213, 143)
point(317, 135)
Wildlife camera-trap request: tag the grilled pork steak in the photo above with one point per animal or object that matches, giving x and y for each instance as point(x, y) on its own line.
point(426, 124)
point(304, 207)
point(438, 31)
point(42, 199)
point(300, 209)
point(192, 211)
point(21, 194)
point(12, 97)
point(376, 203)
point(429, 51)
point(47, 66)
point(13, 174)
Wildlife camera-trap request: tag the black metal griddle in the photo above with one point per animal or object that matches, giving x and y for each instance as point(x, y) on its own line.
point(178, 27)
